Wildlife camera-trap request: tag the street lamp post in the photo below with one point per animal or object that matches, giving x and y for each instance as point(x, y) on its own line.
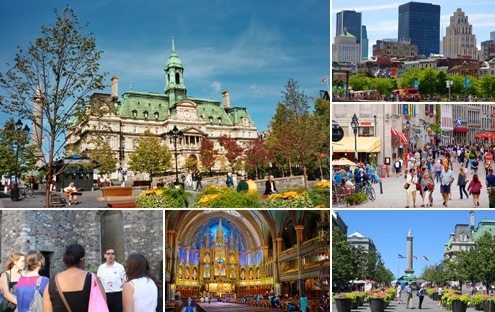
point(14, 195)
point(355, 126)
point(175, 134)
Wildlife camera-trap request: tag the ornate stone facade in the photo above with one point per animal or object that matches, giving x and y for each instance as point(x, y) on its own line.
point(127, 120)
point(50, 232)
point(459, 39)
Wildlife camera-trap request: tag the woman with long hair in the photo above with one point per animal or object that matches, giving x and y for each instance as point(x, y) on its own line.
point(412, 179)
point(8, 281)
point(140, 293)
point(28, 283)
point(74, 284)
point(474, 188)
point(462, 180)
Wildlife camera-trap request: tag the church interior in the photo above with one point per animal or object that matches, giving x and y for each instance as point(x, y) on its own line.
point(231, 255)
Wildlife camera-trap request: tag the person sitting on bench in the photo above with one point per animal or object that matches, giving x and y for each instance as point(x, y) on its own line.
point(69, 190)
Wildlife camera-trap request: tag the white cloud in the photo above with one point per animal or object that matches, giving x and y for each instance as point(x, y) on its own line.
point(370, 8)
point(256, 92)
point(383, 27)
point(216, 86)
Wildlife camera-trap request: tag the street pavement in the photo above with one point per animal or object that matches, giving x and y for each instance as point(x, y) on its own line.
point(394, 194)
point(87, 200)
point(428, 304)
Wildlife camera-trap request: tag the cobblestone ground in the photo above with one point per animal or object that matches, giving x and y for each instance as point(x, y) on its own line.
point(394, 194)
point(428, 304)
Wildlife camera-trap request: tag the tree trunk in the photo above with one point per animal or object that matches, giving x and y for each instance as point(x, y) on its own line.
point(305, 175)
point(321, 171)
point(290, 168)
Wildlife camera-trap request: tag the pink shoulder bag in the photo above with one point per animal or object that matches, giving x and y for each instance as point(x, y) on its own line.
point(96, 301)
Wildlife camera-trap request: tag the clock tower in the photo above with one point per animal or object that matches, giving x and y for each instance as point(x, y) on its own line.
point(174, 71)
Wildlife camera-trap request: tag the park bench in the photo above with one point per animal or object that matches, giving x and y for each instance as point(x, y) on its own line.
point(117, 193)
point(122, 205)
point(141, 183)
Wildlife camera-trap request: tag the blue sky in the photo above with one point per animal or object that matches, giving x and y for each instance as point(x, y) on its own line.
point(430, 228)
point(249, 47)
point(381, 21)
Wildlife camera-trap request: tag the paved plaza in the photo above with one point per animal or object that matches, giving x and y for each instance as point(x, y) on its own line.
point(428, 304)
point(394, 194)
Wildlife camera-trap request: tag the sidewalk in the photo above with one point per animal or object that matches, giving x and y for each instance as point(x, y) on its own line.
point(428, 304)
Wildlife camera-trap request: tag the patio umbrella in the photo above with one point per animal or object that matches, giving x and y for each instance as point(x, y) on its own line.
point(490, 135)
point(481, 135)
point(343, 162)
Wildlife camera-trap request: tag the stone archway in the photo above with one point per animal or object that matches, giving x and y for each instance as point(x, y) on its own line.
point(191, 163)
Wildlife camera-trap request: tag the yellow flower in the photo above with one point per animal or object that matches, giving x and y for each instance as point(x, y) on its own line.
point(323, 184)
point(321, 206)
point(159, 192)
point(206, 198)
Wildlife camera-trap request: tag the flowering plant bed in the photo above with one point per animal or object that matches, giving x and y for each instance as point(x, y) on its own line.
point(163, 197)
point(224, 197)
point(289, 199)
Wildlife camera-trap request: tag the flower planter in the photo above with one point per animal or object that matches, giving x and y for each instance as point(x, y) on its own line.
point(343, 304)
point(377, 304)
point(361, 301)
point(458, 306)
point(488, 306)
point(478, 307)
point(355, 304)
point(435, 296)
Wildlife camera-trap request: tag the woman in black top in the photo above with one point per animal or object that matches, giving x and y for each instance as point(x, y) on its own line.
point(8, 281)
point(74, 282)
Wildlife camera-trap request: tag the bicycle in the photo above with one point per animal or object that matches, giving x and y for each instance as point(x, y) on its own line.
point(369, 190)
point(27, 192)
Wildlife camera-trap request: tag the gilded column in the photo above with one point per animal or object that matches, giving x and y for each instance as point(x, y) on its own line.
point(276, 264)
point(173, 243)
point(299, 229)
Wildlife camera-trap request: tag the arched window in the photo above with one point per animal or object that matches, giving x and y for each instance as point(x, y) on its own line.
point(211, 120)
point(145, 115)
point(156, 115)
point(219, 120)
point(134, 113)
point(177, 78)
point(109, 141)
point(112, 234)
point(134, 144)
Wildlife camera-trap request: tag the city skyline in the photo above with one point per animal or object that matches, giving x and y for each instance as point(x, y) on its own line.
point(252, 49)
point(382, 20)
point(430, 229)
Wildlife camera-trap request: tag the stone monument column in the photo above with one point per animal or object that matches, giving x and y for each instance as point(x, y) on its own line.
point(409, 270)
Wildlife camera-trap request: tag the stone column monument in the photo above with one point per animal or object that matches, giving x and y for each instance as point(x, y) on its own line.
point(409, 270)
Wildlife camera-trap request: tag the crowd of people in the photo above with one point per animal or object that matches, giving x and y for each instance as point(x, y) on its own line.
point(112, 289)
point(429, 169)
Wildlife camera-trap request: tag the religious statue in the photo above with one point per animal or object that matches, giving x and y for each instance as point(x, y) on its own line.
point(207, 272)
point(187, 273)
point(194, 275)
point(409, 232)
point(243, 275)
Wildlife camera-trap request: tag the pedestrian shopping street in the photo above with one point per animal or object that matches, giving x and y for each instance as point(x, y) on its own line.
point(394, 194)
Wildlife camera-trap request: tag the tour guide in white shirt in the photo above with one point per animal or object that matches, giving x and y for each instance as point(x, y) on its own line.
point(112, 277)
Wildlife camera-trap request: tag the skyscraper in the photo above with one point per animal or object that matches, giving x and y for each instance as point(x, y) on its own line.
point(350, 21)
point(492, 35)
point(419, 23)
point(459, 39)
point(364, 43)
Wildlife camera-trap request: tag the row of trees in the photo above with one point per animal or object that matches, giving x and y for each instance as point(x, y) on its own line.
point(430, 82)
point(350, 263)
point(473, 265)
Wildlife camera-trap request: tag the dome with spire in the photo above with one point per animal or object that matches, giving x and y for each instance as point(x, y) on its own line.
point(173, 60)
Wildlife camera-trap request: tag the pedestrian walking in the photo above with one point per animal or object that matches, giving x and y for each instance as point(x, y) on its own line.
point(198, 180)
point(462, 180)
point(410, 186)
point(409, 300)
point(475, 165)
point(440, 294)
point(427, 185)
point(475, 189)
point(490, 182)
point(399, 293)
point(446, 180)
point(438, 170)
point(421, 294)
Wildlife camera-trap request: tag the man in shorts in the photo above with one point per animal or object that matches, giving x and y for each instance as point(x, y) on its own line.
point(446, 180)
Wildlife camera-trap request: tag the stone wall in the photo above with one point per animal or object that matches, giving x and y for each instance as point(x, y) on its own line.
point(282, 183)
point(51, 231)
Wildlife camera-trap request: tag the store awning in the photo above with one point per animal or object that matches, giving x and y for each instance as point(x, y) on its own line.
point(461, 129)
point(364, 145)
point(403, 139)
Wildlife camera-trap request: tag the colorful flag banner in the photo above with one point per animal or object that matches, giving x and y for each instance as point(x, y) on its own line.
point(401, 256)
point(424, 257)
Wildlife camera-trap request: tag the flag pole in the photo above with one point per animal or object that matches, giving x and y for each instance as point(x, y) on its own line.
point(397, 268)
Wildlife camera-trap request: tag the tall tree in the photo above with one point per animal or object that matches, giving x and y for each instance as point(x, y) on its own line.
point(257, 155)
point(297, 129)
point(61, 68)
point(150, 156)
point(344, 262)
point(10, 140)
point(103, 156)
point(234, 150)
point(207, 154)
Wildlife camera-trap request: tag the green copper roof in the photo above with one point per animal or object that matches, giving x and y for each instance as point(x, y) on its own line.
point(346, 34)
point(173, 60)
point(483, 226)
point(236, 114)
point(141, 103)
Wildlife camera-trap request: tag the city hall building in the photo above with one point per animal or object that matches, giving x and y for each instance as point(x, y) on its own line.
point(127, 119)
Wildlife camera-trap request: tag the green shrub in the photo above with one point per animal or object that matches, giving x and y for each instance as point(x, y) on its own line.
point(214, 197)
point(163, 198)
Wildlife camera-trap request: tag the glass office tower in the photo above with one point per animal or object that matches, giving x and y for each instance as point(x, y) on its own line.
point(419, 23)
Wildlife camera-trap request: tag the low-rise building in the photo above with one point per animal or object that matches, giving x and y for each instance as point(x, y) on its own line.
point(397, 50)
point(345, 48)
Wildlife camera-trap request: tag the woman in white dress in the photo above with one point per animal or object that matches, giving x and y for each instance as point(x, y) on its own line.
point(140, 293)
